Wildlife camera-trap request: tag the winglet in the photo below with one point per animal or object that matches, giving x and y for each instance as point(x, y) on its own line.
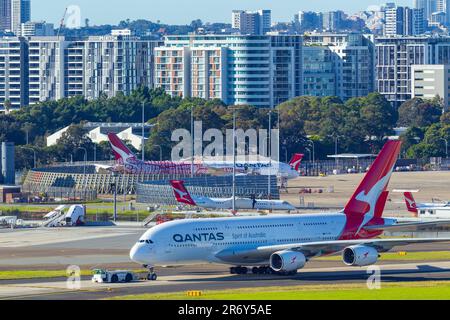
point(296, 161)
point(181, 193)
point(120, 150)
point(410, 202)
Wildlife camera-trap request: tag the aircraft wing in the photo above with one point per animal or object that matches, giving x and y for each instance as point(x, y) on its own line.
point(415, 225)
point(315, 249)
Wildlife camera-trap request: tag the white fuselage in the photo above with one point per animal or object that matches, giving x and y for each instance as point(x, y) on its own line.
point(265, 168)
point(433, 211)
point(134, 166)
point(242, 204)
point(187, 242)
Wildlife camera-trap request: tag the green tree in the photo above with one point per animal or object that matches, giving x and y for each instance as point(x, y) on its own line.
point(419, 113)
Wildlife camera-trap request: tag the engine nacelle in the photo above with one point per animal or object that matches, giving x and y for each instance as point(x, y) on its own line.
point(360, 256)
point(287, 261)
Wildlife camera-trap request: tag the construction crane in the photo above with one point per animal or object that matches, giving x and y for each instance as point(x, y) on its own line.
point(62, 22)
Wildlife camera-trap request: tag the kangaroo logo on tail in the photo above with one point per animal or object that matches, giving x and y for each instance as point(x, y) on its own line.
point(120, 150)
point(181, 193)
point(410, 202)
point(296, 161)
point(362, 207)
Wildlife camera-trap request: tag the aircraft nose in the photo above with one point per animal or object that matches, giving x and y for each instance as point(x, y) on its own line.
point(137, 254)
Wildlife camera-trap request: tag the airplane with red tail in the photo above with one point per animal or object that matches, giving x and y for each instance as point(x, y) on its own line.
point(127, 162)
point(427, 210)
point(182, 195)
point(283, 244)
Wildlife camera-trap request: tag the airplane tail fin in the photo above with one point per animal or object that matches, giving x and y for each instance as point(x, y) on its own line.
point(362, 206)
point(410, 202)
point(181, 193)
point(120, 150)
point(381, 204)
point(296, 161)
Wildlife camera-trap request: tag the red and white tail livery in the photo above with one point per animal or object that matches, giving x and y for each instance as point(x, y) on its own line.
point(181, 193)
point(121, 152)
point(360, 209)
point(410, 202)
point(296, 161)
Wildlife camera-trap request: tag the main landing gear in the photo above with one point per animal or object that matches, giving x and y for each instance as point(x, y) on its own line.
point(151, 276)
point(261, 270)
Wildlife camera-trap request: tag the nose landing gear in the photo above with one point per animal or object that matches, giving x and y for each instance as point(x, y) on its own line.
point(151, 276)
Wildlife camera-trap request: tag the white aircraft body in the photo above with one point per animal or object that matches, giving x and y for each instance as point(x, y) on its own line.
point(284, 244)
point(182, 195)
point(128, 163)
point(427, 210)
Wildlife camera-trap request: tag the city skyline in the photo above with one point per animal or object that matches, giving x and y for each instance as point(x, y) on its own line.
point(183, 12)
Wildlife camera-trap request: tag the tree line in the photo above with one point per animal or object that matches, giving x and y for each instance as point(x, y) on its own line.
point(359, 125)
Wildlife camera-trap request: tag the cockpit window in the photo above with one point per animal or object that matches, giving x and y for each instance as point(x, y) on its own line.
point(146, 241)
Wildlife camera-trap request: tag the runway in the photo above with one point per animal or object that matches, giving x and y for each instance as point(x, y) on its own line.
point(108, 247)
point(215, 278)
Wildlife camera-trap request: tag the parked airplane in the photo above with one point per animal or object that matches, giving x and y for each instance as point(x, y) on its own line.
point(182, 195)
point(427, 210)
point(284, 244)
point(129, 163)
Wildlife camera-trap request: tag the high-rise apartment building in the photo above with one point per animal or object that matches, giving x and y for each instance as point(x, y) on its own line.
point(252, 22)
point(319, 71)
point(430, 81)
point(404, 21)
point(61, 67)
point(20, 13)
point(256, 70)
point(309, 21)
point(397, 55)
point(353, 56)
point(13, 73)
point(37, 29)
point(5, 15)
point(333, 20)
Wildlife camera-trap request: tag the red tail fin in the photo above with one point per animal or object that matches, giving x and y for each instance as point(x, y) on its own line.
point(296, 161)
point(410, 202)
point(181, 193)
point(120, 150)
point(381, 204)
point(362, 206)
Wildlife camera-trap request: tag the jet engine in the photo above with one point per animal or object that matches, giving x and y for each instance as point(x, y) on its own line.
point(360, 256)
point(287, 261)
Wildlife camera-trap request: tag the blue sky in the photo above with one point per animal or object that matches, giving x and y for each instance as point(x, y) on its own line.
point(184, 11)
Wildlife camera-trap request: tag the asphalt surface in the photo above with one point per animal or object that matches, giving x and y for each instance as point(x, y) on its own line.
point(215, 278)
point(108, 247)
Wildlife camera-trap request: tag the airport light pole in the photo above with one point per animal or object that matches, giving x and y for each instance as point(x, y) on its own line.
point(85, 158)
point(234, 160)
point(160, 151)
point(34, 155)
point(143, 132)
point(446, 147)
point(269, 184)
point(114, 185)
point(192, 140)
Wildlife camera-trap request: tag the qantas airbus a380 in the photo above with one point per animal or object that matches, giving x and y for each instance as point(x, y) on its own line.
point(130, 164)
point(284, 244)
